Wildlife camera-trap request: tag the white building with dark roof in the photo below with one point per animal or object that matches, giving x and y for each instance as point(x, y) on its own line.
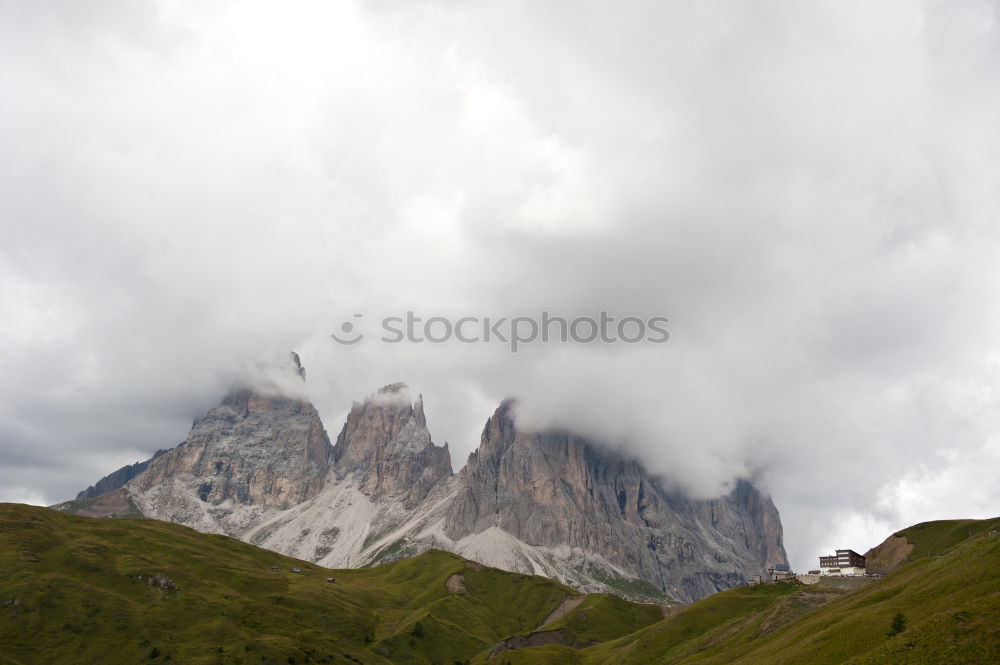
point(844, 562)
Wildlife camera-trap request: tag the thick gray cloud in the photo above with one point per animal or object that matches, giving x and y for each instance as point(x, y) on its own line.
point(808, 191)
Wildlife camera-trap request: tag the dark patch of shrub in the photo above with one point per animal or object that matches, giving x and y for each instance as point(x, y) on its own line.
point(898, 624)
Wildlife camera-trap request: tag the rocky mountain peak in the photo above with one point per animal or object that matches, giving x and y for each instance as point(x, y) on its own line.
point(497, 437)
point(386, 442)
point(418, 412)
point(259, 449)
point(554, 488)
point(260, 467)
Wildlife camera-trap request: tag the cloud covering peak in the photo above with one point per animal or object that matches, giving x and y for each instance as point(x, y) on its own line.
point(808, 191)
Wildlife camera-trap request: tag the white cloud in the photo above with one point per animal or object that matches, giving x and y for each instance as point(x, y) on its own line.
point(808, 192)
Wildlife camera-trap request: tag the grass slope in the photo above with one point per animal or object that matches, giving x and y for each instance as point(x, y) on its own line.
point(602, 617)
point(950, 602)
point(598, 618)
point(77, 590)
point(937, 538)
point(951, 606)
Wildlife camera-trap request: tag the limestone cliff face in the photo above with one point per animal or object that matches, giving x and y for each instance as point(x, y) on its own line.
point(252, 449)
point(261, 468)
point(386, 442)
point(554, 488)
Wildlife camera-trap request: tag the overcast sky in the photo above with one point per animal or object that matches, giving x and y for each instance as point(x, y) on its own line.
point(808, 190)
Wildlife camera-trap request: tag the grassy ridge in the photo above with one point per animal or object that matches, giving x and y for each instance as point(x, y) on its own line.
point(81, 590)
point(729, 618)
point(951, 607)
point(950, 603)
point(77, 590)
point(937, 538)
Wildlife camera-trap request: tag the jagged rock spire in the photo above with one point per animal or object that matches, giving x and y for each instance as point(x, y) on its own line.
point(386, 441)
point(299, 369)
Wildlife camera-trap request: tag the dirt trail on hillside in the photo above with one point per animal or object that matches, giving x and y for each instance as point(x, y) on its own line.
point(564, 608)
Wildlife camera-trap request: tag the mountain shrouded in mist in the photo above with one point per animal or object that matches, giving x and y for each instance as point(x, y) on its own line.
point(261, 468)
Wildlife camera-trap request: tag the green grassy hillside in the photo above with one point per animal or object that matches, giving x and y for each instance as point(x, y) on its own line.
point(602, 617)
point(83, 590)
point(936, 538)
point(950, 606)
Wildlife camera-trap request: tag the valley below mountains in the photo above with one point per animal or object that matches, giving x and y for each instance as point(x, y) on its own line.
point(262, 468)
point(78, 590)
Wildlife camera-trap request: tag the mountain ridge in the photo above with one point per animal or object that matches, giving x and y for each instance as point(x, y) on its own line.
point(261, 468)
point(117, 478)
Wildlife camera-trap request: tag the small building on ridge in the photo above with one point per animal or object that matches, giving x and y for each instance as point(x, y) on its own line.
point(844, 562)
